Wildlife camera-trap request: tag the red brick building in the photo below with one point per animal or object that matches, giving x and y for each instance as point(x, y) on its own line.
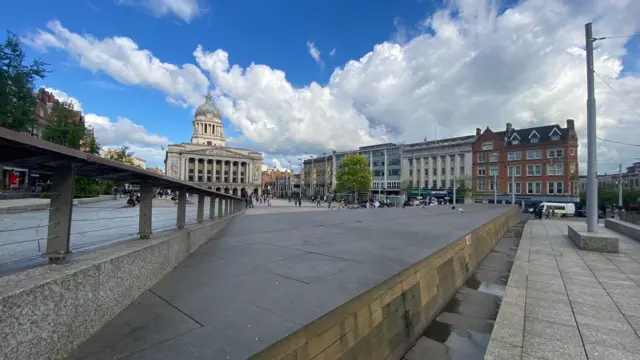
point(544, 160)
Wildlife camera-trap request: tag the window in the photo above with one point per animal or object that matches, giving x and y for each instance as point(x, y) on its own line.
point(515, 141)
point(487, 145)
point(493, 171)
point(518, 188)
point(534, 170)
point(534, 155)
point(516, 169)
point(572, 151)
point(481, 184)
point(556, 169)
point(515, 156)
point(555, 137)
point(461, 171)
point(555, 188)
point(482, 157)
point(553, 154)
point(534, 140)
point(573, 168)
point(443, 184)
point(493, 157)
point(534, 188)
point(393, 172)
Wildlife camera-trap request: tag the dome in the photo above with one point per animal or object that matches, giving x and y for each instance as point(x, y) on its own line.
point(207, 108)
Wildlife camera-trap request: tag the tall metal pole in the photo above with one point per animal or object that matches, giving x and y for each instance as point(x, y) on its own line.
point(495, 188)
point(326, 182)
point(513, 184)
point(592, 185)
point(620, 185)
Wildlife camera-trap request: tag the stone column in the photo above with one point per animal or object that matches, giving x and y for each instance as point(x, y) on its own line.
point(238, 173)
point(414, 167)
point(204, 170)
point(447, 171)
point(438, 171)
point(430, 173)
point(212, 207)
point(214, 172)
point(421, 173)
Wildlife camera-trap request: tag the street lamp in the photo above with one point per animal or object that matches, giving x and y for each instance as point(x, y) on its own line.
point(326, 158)
point(301, 179)
point(312, 185)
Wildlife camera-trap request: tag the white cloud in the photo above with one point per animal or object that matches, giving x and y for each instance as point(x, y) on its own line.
point(186, 10)
point(42, 41)
point(120, 58)
point(464, 66)
point(62, 96)
point(333, 52)
point(123, 131)
point(315, 53)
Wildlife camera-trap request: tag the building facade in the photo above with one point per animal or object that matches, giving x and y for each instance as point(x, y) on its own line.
point(630, 179)
point(430, 168)
point(207, 162)
point(543, 160)
point(318, 176)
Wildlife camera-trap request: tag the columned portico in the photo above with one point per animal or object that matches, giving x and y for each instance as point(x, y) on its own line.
point(208, 162)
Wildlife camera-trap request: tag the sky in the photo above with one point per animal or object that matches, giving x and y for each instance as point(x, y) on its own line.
point(292, 77)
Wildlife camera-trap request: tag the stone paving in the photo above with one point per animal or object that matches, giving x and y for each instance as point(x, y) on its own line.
point(564, 303)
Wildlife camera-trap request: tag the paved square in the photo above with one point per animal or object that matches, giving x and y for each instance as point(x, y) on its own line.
point(266, 275)
point(578, 304)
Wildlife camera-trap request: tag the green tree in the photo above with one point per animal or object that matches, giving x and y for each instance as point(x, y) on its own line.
point(64, 128)
point(90, 144)
point(354, 174)
point(17, 85)
point(463, 187)
point(406, 187)
point(122, 154)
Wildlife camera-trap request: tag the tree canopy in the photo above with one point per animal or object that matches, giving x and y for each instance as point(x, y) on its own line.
point(65, 129)
point(17, 81)
point(121, 154)
point(354, 174)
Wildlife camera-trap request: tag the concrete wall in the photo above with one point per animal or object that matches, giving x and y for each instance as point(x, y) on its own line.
point(48, 311)
point(625, 228)
point(383, 322)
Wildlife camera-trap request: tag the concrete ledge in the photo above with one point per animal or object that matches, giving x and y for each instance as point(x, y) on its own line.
point(385, 321)
point(593, 241)
point(46, 312)
point(13, 206)
point(623, 227)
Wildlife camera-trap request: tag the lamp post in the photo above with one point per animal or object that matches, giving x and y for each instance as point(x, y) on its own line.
point(312, 185)
point(301, 180)
point(326, 158)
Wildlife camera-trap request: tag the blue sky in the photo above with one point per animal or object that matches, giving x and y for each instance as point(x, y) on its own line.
point(404, 67)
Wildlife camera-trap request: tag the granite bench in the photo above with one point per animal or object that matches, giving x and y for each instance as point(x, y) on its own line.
point(623, 227)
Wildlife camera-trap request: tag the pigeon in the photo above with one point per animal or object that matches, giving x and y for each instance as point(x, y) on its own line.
point(461, 210)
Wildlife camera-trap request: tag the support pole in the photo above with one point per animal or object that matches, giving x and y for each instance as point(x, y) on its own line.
point(620, 185)
point(592, 185)
point(513, 185)
point(182, 208)
point(60, 213)
point(146, 212)
point(212, 207)
point(220, 210)
point(495, 189)
point(454, 192)
point(200, 209)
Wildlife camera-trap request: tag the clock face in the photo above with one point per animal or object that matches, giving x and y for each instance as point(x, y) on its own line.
point(209, 116)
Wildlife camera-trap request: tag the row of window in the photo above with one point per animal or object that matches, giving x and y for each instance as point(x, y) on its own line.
point(556, 169)
point(381, 186)
point(390, 172)
point(530, 155)
point(434, 161)
point(442, 171)
point(533, 188)
point(390, 162)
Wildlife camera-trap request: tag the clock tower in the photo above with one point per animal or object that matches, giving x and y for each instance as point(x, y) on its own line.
point(207, 125)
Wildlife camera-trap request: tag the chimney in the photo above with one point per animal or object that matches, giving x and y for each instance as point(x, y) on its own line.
point(509, 127)
point(478, 132)
point(571, 124)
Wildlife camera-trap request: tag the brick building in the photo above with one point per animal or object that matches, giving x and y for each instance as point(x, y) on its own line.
point(544, 160)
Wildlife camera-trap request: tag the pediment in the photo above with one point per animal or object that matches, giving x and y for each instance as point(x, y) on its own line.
point(217, 152)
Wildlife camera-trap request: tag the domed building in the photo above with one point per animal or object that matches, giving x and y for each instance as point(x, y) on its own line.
point(206, 160)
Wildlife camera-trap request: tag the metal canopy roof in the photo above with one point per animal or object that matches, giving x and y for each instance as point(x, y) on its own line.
point(39, 156)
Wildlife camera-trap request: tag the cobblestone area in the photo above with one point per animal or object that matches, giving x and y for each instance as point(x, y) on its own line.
point(565, 303)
